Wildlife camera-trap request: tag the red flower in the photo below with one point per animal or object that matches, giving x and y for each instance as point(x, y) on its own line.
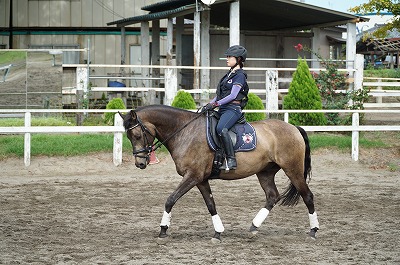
point(298, 47)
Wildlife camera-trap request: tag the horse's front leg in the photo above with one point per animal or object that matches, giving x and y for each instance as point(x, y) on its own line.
point(186, 184)
point(205, 190)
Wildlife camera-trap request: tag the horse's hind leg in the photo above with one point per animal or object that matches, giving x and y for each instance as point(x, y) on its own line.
point(299, 187)
point(267, 182)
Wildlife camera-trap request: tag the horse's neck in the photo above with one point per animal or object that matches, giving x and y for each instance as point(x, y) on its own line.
point(168, 124)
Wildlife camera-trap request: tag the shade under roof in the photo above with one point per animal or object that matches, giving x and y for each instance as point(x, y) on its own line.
point(255, 15)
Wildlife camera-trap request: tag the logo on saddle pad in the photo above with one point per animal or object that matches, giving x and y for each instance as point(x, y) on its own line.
point(242, 134)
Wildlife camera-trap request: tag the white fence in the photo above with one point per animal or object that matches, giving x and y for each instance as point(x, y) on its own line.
point(118, 129)
point(271, 81)
point(379, 92)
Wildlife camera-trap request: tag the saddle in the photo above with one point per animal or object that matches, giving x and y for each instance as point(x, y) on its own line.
point(242, 134)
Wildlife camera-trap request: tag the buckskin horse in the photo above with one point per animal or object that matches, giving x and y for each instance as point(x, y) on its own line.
point(280, 145)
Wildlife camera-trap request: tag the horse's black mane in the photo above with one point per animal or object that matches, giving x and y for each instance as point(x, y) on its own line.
point(161, 109)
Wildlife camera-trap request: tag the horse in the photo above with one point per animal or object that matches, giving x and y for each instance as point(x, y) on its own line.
point(280, 145)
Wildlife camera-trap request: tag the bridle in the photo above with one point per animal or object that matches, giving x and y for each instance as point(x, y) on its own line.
point(149, 146)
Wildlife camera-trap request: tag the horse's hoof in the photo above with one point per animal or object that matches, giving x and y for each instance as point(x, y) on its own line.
point(253, 234)
point(215, 240)
point(253, 231)
point(162, 240)
point(313, 233)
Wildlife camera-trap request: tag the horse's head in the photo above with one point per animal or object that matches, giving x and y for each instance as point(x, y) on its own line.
point(141, 138)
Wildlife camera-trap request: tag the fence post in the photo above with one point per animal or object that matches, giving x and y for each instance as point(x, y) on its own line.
point(271, 89)
point(359, 72)
point(27, 140)
point(286, 117)
point(379, 99)
point(117, 147)
point(171, 85)
point(355, 136)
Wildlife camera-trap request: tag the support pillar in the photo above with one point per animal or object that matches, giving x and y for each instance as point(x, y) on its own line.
point(196, 50)
point(234, 23)
point(351, 50)
point(155, 51)
point(315, 47)
point(205, 56)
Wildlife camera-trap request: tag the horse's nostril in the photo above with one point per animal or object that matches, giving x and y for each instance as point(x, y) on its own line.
point(141, 165)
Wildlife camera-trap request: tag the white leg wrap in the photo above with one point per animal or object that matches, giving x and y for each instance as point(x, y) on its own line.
point(260, 217)
point(166, 219)
point(313, 220)
point(218, 226)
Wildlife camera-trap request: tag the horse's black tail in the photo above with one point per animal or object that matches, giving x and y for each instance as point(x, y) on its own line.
point(291, 196)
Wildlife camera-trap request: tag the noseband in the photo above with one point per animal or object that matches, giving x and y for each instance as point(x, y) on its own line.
point(148, 147)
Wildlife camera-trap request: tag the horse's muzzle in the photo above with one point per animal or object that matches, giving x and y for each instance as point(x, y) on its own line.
point(141, 161)
point(141, 165)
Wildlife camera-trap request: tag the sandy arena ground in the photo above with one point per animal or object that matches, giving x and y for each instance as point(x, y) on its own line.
point(84, 210)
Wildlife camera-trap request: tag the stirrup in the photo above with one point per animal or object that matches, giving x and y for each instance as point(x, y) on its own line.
point(225, 166)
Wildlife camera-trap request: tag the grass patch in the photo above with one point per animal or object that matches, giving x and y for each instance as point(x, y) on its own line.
point(8, 57)
point(342, 141)
point(53, 121)
point(82, 144)
point(60, 145)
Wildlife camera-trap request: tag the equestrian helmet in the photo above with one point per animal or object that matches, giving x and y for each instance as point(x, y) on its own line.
point(237, 51)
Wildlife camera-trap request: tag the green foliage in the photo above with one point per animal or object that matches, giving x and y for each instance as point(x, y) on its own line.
point(328, 83)
point(331, 84)
point(254, 103)
point(303, 94)
point(115, 103)
point(387, 73)
point(378, 6)
point(183, 100)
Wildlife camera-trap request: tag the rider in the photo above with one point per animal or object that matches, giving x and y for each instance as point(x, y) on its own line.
point(231, 98)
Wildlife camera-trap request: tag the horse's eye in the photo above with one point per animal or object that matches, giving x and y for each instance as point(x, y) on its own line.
point(135, 135)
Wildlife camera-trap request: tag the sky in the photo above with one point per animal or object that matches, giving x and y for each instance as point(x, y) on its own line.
point(338, 5)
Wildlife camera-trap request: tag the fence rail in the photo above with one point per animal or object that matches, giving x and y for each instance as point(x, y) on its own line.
point(118, 129)
point(272, 81)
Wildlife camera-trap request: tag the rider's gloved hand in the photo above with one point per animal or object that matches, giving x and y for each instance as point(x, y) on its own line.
point(210, 106)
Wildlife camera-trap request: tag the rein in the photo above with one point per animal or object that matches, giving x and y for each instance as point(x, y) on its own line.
point(158, 143)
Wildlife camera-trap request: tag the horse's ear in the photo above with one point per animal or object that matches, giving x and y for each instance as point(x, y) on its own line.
point(133, 114)
point(122, 115)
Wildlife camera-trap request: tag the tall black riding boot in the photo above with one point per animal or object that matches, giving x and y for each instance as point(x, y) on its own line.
point(228, 147)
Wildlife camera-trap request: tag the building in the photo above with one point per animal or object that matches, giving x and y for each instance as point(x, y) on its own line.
point(176, 32)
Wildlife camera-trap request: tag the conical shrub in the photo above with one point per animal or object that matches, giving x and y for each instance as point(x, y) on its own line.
point(254, 103)
point(183, 100)
point(115, 103)
point(304, 95)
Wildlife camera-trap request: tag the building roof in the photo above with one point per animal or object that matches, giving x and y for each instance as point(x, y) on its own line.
point(255, 15)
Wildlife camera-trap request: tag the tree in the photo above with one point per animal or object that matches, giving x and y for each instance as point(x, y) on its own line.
point(392, 6)
point(303, 94)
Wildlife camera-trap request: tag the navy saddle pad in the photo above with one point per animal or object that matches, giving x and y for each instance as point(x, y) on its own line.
point(242, 134)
